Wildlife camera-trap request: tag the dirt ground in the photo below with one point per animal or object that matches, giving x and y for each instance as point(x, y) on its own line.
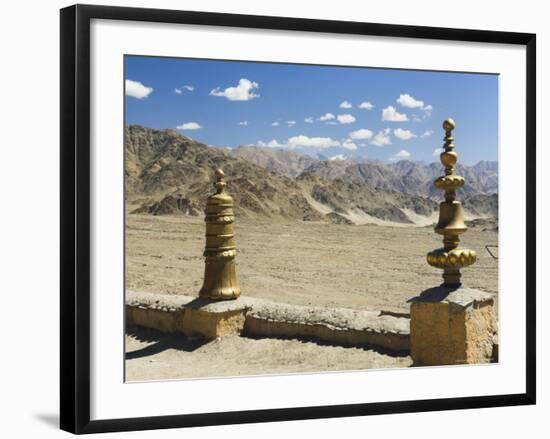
point(303, 263)
point(151, 355)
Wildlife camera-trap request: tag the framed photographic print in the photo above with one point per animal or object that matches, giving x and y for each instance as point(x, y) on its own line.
point(273, 218)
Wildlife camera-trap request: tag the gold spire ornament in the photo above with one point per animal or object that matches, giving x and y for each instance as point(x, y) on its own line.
point(220, 278)
point(451, 218)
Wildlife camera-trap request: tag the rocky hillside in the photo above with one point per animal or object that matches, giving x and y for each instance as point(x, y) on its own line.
point(170, 174)
point(481, 206)
point(403, 176)
point(408, 177)
point(276, 160)
point(167, 173)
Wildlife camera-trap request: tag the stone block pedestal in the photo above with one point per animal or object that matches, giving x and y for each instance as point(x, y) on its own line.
point(211, 319)
point(452, 326)
point(191, 316)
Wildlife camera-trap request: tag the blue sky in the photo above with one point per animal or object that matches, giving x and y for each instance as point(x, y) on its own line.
point(380, 114)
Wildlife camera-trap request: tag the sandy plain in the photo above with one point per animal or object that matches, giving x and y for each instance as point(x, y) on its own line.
point(304, 263)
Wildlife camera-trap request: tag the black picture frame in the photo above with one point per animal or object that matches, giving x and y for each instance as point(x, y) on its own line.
point(75, 217)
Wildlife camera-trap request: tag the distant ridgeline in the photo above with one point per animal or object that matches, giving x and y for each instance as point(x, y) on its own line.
point(167, 173)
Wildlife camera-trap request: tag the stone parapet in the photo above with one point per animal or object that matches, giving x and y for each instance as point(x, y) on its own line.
point(262, 318)
point(341, 326)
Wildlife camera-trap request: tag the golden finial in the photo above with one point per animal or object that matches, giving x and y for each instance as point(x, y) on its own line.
point(220, 181)
point(449, 125)
point(220, 278)
point(451, 217)
point(448, 157)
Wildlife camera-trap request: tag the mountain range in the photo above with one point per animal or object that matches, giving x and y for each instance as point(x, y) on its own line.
point(167, 173)
point(402, 176)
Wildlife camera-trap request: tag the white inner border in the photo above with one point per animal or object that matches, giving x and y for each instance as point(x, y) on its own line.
point(111, 398)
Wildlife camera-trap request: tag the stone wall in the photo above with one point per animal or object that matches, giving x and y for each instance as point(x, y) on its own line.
point(261, 318)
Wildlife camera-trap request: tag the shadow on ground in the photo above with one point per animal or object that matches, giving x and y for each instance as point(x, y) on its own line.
point(160, 342)
point(318, 342)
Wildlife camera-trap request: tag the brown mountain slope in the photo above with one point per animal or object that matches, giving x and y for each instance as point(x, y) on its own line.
point(172, 174)
point(276, 160)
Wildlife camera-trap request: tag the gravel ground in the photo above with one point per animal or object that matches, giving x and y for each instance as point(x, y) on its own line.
point(151, 355)
point(303, 263)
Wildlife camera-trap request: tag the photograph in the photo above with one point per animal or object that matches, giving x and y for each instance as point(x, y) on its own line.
point(274, 219)
point(299, 218)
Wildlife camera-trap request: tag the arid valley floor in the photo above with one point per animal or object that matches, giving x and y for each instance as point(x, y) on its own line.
point(303, 263)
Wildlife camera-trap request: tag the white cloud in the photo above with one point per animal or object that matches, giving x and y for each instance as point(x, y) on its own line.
point(427, 133)
point(291, 123)
point(346, 105)
point(189, 126)
point(427, 111)
point(437, 151)
point(403, 134)
point(275, 124)
point(401, 155)
point(348, 144)
point(185, 87)
point(338, 157)
point(308, 120)
point(362, 134)
point(366, 105)
point(345, 118)
point(391, 114)
point(243, 123)
point(242, 92)
point(382, 138)
point(406, 100)
point(137, 90)
point(271, 144)
point(302, 141)
point(327, 116)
